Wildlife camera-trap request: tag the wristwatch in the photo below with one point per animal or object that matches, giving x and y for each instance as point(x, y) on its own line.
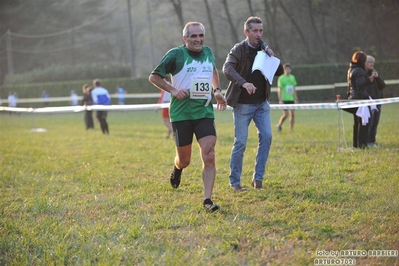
point(217, 89)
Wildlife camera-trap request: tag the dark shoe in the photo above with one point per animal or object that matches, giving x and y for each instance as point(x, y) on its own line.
point(238, 188)
point(257, 184)
point(210, 207)
point(175, 177)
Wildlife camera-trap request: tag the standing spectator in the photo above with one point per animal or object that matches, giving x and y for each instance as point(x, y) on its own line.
point(194, 72)
point(287, 95)
point(74, 98)
point(45, 96)
point(165, 98)
point(101, 96)
point(121, 94)
point(375, 92)
point(358, 82)
point(12, 99)
point(248, 93)
point(88, 100)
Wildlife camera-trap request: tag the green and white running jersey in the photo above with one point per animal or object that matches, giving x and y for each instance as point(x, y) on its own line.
point(185, 66)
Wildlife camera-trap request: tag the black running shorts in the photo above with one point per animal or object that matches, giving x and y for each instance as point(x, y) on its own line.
point(288, 102)
point(183, 130)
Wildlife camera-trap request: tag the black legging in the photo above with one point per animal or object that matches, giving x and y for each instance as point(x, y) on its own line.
point(373, 124)
point(89, 119)
point(359, 131)
point(102, 116)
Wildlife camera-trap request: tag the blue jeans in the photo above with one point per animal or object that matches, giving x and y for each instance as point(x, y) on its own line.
point(243, 114)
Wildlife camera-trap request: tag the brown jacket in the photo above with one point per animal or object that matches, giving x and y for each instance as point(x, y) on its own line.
point(236, 67)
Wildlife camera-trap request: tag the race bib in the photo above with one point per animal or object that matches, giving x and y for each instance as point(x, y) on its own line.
point(289, 89)
point(201, 88)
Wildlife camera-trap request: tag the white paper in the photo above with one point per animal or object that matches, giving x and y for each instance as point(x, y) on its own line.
point(373, 107)
point(267, 65)
point(364, 113)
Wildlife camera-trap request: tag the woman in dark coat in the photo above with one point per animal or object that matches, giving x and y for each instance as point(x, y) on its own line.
point(87, 100)
point(358, 82)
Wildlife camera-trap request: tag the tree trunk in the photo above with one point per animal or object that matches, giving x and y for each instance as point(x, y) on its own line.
point(179, 11)
point(297, 27)
point(232, 28)
point(251, 11)
point(316, 31)
point(211, 29)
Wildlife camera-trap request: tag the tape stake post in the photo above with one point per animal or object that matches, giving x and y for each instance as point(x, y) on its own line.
point(339, 121)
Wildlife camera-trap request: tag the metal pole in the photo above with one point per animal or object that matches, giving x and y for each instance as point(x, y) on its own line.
point(339, 123)
point(9, 54)
point(132, 68)
point(339, 127)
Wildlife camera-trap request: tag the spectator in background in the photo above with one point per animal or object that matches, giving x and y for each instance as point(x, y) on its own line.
point(74, 98)
point(121, 94)
point(12, 100)
point(101, 96)
point(88, 100)
point(45, 96)
point(287, 95)
point(375, 92)
point(165, 98)
point(248, 93)
point(358, 82)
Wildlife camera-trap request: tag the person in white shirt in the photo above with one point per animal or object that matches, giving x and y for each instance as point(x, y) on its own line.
point(12, 100)
point(74, 98)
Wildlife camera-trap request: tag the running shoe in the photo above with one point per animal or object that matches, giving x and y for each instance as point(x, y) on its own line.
point(210, 207)
point(175, 177)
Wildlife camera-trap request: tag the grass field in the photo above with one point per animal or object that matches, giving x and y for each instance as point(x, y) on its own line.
point(81, 198)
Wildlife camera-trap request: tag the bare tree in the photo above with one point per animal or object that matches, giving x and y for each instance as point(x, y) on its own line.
point(297, 27)
point(251, 11)
point(211, 28)
point(233, 31)
point(179, 11)
point(376, 26)
point(270, 14)
point(313, 23)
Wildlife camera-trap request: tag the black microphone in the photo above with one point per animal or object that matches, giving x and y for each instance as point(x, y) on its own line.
point(263, 45)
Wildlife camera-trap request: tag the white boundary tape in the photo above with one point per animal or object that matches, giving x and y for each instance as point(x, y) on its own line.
point(68, 98)
point(337, 105)
point(142, 107)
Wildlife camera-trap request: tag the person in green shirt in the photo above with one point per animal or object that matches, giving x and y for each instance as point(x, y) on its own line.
point(287, 95)
point(195, 80)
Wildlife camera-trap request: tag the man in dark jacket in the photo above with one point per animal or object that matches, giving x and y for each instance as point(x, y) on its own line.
point(248, 93)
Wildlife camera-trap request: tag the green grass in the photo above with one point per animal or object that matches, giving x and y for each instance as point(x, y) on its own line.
point(80, 198)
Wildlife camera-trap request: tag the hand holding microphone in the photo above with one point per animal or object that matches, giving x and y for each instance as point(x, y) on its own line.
point(265, 47)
